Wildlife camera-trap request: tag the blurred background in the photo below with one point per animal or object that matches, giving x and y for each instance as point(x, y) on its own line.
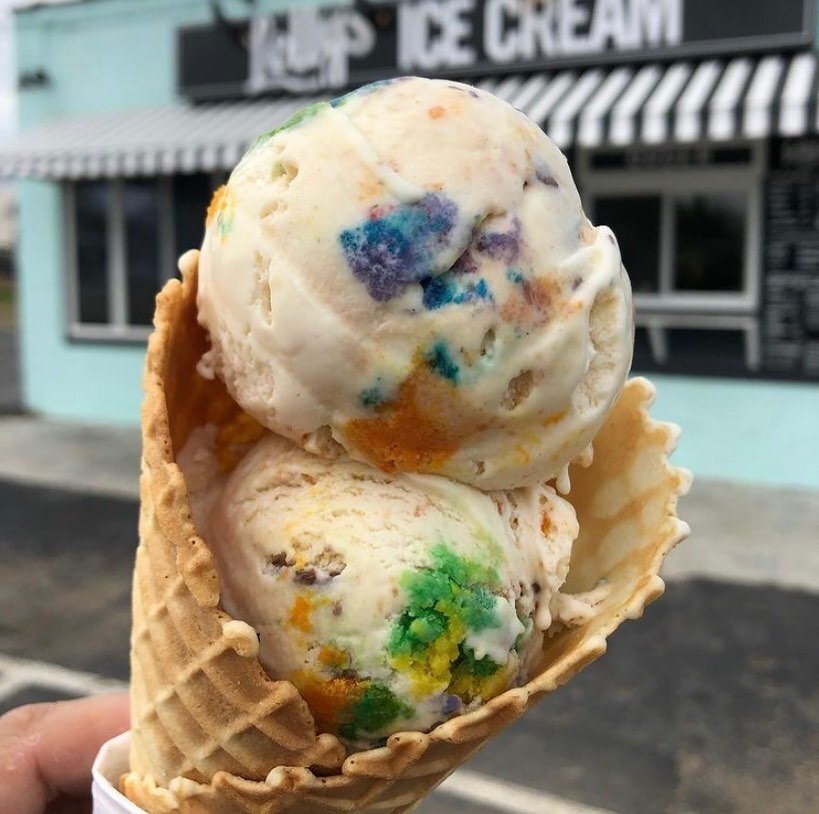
point(693, 130)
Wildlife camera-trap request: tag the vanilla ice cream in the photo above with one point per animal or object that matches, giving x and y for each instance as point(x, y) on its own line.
point(392, 602)
point(406, 273)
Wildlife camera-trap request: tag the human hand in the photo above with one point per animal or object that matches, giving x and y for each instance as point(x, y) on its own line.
point(46, 752)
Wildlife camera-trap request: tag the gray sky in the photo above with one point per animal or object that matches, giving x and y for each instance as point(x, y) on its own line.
point(7, 100)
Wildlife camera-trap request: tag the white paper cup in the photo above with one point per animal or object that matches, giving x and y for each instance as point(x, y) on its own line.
point(110, 765)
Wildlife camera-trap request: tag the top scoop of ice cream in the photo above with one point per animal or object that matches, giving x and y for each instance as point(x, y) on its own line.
point(391, 601)
point(407, 272)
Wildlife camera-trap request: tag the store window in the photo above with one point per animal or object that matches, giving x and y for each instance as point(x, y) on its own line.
point(191, 194)
point(689, 239)
point(709, 241)
point(123, 237)
point(635, 220)
point(141, 213)
point(705, 242)
point(92, 251)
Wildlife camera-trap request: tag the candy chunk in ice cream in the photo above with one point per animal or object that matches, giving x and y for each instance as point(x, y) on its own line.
point(407, 273)
point(392, 602)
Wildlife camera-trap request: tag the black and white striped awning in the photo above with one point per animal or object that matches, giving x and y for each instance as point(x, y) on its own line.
point(712, 100)
point(152, 141)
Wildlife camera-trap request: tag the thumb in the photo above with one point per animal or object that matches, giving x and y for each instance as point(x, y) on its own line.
point(48, 749)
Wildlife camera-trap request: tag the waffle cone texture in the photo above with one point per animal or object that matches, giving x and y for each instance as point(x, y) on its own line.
point(214, 734)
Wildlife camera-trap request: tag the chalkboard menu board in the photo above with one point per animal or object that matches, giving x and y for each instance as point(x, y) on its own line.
point(791, 288)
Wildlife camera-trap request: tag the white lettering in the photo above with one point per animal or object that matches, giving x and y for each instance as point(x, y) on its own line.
point(536, 36)
point(303, 42)
point(415, 40)
point(432, 33)
point(457, 30)
point(574, 16)
point(429, 28)
point(310, 49)
point(657, 22)
point(409, 36)
point(609, 26)
point(500, 45)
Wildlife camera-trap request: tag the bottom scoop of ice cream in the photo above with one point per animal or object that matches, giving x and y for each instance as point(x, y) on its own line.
point(392, 602)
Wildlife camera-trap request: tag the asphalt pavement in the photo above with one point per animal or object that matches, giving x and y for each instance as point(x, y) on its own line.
point(66, 560)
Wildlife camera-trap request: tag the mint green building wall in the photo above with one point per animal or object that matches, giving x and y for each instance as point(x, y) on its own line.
point(84, 381)
point(100, 55)
point(109, 54)
point(756, 432)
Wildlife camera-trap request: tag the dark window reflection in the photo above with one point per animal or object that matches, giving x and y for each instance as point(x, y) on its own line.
point(635, 219)
point(695, 351)
point(191, 195)
point(92, 202)
point(643, 357)
point(710, 242)
point(140, 200)
point(716, 352)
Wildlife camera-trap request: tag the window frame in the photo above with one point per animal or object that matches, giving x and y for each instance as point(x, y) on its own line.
point(117, 329)
point(672, 182)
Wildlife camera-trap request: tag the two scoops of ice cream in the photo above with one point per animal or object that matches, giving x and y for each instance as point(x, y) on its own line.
point(395, 487)
point(401, 288)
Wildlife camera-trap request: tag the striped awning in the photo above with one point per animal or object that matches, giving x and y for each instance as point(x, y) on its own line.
point(711, 100)
point(154, 141)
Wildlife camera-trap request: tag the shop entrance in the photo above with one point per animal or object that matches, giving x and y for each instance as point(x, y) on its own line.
point(689, 224)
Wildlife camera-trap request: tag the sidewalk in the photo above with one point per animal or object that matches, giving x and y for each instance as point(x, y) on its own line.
point(92, 459)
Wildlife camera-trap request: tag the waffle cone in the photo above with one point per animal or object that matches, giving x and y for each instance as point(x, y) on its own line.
point(213, 733)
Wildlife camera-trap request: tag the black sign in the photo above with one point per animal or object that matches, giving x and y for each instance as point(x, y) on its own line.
point(665, 156)
point(791, 314)
point(310, 49)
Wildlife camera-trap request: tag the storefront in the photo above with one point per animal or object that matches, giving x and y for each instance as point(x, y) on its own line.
point(691, 127)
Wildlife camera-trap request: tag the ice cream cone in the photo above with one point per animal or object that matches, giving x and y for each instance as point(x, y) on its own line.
point(201, 702)
point(213, 733)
